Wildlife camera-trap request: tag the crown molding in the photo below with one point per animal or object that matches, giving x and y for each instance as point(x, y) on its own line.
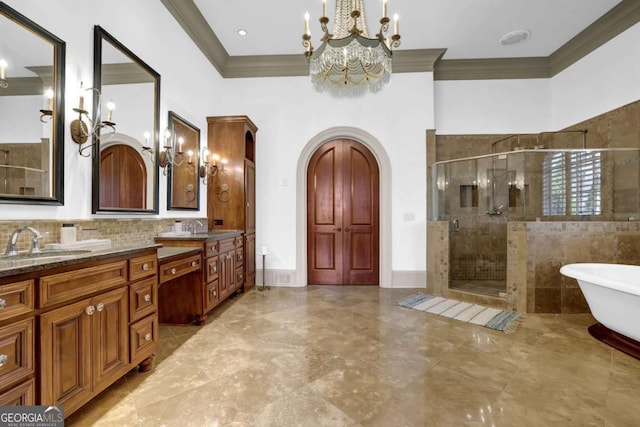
point(623, 16)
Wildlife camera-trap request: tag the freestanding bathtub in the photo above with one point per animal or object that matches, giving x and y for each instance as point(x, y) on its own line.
point(612, 292)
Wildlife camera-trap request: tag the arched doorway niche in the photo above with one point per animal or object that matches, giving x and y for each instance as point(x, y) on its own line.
point(384, 164)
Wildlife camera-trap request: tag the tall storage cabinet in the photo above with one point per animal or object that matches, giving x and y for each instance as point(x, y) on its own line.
point(231, 193)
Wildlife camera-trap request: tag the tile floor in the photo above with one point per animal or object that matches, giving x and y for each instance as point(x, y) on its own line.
point(348, 356)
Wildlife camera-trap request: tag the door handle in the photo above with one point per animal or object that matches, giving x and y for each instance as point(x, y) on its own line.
point(337, 229)
point(346, 229)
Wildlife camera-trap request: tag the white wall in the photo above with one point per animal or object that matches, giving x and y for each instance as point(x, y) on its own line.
point(492, 106)
point(289, 113)
point(189, 84)
point(602, 81)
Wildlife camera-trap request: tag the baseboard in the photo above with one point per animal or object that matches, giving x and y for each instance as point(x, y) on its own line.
point(400, 279)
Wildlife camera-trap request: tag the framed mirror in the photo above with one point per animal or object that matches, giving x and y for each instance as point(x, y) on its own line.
point(125, 176)
point(183, 185)
point(32, 66)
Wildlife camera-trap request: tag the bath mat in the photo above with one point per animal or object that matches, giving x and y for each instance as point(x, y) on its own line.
point(493, 318)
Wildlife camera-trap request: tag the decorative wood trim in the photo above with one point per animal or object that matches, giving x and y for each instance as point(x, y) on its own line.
point(611, 24)
point(494, 68)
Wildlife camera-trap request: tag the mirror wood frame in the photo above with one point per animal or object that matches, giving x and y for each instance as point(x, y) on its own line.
point(100, 35)
point(57, 134)
point(175, 119)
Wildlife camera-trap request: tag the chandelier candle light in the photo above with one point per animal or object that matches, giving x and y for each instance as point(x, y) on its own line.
point(348, 61)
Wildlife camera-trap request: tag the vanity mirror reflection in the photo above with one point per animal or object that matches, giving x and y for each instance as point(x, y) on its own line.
point(32, 64)
point(125, 176)
point(183, 185)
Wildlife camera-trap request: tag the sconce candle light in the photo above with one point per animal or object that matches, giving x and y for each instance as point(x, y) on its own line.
point(3, 74)
point(209, 166)
point(47, 112)
point(80, 131)
point(170, 155)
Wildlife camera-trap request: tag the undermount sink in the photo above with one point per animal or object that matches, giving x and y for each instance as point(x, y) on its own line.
point(43, 255)
point(174, 234)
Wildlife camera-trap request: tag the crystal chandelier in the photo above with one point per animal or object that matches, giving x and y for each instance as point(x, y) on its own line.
point(348, 61)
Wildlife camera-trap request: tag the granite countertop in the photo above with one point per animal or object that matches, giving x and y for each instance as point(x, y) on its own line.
point(49, 259)
point(213, 234)
point(167, 253)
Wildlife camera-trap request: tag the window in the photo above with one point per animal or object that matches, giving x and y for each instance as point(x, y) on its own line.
point(554, 185)
point(582, 175)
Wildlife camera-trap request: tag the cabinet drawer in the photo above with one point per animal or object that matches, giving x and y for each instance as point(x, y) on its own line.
point(16, 298)
point(143, 266)
point(239, 256)
point(16, 352)
point(213, 248)
point(211, 295)
point(227, 245)
point(84, 281)
point(237, 242)
point(239, 277)
point(143, 337)
point(212, 268)
point(22, 395)
point(143, 298)
point(174, 269)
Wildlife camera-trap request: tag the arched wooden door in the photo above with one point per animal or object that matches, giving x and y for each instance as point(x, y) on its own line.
point(343, 211)
point(123, 178)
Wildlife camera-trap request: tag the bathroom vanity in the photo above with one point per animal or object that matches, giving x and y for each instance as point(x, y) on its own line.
point(221, 254)
point(71, 326)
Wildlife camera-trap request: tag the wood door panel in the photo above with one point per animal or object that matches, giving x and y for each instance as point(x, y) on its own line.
point(343, 208)
point(123, 178)
point(66, 363)
point(111, 354)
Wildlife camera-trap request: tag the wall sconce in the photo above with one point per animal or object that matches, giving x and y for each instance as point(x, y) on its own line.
point(80, 131)
point(3, 74)
point(169, 155)
point(146, 148)
point(209, 166)
point(48, 112)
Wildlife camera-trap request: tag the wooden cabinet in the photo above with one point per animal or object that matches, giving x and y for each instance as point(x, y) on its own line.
point(17, 342)
point(223, 258)
point(84, 348)
point(233, 138)
point(97, 320)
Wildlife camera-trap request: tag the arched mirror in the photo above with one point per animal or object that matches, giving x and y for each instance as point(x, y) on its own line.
point(125, 176)
point(32, 64)
point(183, 185)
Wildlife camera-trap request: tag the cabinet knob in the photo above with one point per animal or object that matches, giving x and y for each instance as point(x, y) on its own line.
point(174, 271)
point(194, 263)
point(90, 310)
point(3, 303)
point(3, 359)
point(147, 336)
point(145, 266)
point(100, 306)
point(213, 269)
point(146, 297)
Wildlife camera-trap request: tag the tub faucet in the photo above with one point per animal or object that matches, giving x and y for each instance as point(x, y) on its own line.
point(12, 246)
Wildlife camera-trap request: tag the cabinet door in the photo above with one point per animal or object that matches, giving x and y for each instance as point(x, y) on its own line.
point(110, 336)
point(249, 197)
point(226, 272)
point(65, 372)
point(249, 261)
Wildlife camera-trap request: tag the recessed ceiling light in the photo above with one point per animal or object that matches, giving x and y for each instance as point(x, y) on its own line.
point(242, 31)
point(514, 37)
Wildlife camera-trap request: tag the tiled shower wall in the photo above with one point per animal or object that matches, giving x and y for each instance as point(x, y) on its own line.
point(122, 232)
point(535, 253)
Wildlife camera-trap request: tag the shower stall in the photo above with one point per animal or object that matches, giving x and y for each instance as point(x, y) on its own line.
point(480, 196)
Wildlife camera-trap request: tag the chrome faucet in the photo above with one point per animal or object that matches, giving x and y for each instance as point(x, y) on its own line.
point(193, 226)
point(12, 246)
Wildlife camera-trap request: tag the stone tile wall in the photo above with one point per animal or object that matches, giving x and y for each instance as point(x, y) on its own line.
point(121, 231)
